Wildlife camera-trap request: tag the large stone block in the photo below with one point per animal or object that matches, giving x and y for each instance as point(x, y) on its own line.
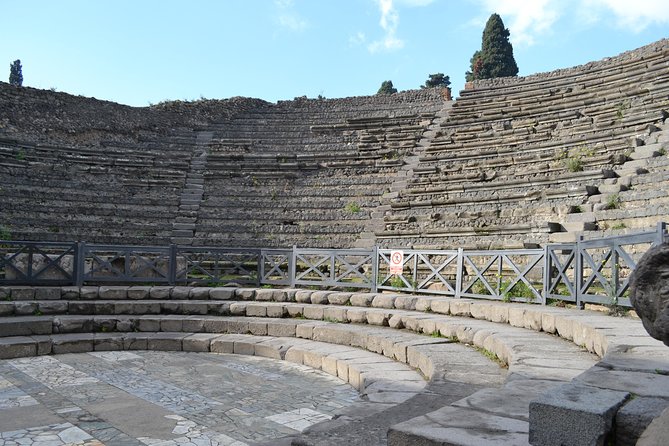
point(574, 415)
point(635, 416)
point(222, 293)
point(139, 292)
point(650, 291)
point(113, 292)
point(47, 293)
point(17, 347)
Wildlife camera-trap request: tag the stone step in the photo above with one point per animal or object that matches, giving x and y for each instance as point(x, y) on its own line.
point(579, 226)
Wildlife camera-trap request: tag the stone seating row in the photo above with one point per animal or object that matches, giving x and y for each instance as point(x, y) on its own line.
point(594, 73)
point(529, 356)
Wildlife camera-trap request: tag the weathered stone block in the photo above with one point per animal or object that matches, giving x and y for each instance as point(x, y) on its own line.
point(199, 293)
point(258, 328)
point(165, 341)
point(70, 292)
point(276, 311)
point(198, 342)
point(650, 291)
point(53, 307)
point(303, 296)
point(460, 308)
point(73, 343)
point(384, 301)
point(215, 325)
point(320, 297)
point(238, 308)
point(47, 293)
point(313, 312)
point(339, 298)
point(89, 292)
point(635, 416)
point(6, 308)
point(113, 292)
point(281, 329)
point(264, 295)
point(377, 318)
point(158, 292)
point(362, 299)
point(180, 292)
point(244, 348)
point(356, 315)
point(23, 308)
point(195, 307)
point(441, 306)
point(139, 292)
point(222, 293)
point(405, 302)
point(17, 347)
point(245, 293)
point(335, 314)
point(573, 414)
point(256, 310)
point(23, 293)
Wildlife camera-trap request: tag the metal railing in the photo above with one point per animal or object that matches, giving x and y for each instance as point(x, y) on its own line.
point(587, 271)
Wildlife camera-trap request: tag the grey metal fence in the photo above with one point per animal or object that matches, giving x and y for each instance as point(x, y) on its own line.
point(587, 271)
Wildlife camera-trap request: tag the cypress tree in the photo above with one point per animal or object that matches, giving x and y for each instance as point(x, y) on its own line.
point(495, 59)
point(16, 73)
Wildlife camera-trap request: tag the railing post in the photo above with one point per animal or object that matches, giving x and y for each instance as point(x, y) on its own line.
point(661, 229)
point(546, 275)
point(375, 268)
point(292, 268)
point(459, 273)
point(172, 265)
point(578, 273)
point(259, 264)
point(79, 264)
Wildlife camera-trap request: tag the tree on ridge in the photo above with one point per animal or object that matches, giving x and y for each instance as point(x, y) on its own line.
point(495, 59)
point(16, 73)
point(387, 88)
point(437, 80)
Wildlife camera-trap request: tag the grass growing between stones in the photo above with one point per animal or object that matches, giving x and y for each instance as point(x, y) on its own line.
point(492, 356)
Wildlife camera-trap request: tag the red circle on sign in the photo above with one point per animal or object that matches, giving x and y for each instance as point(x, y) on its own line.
point(396, 258)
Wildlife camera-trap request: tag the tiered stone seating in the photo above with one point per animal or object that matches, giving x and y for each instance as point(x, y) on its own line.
point(306, 171)
point(333, 331)
point(121, 194)
point(546, 141)
point(639, 197)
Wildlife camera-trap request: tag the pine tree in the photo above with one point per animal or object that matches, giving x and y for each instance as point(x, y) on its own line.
point(437, 80)
point(16, 73)
point(387, 88)
point(495, 59)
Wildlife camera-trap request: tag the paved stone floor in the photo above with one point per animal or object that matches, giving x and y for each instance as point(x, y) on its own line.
point(163, 399)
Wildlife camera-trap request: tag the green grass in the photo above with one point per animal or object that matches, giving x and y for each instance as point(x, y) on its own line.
point(353, 207)
point(492, 356)
point(613, 202)
point(574, 164)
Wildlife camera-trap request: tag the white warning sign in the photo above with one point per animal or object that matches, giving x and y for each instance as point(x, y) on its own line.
point(396, 262)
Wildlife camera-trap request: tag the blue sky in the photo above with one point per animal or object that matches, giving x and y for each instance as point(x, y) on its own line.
point(138, 52)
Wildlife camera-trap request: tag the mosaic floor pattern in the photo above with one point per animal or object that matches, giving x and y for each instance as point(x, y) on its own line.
point(161, 399)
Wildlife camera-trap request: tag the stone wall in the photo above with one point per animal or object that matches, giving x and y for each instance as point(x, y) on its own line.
point(632, 55)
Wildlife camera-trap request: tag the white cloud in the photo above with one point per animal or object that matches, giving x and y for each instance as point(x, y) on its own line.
point(633, 16)
point(288, 18)
point(414, 3)
point(358, 38)
point(389, 22)
point(293, 22)
point(525, 19)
